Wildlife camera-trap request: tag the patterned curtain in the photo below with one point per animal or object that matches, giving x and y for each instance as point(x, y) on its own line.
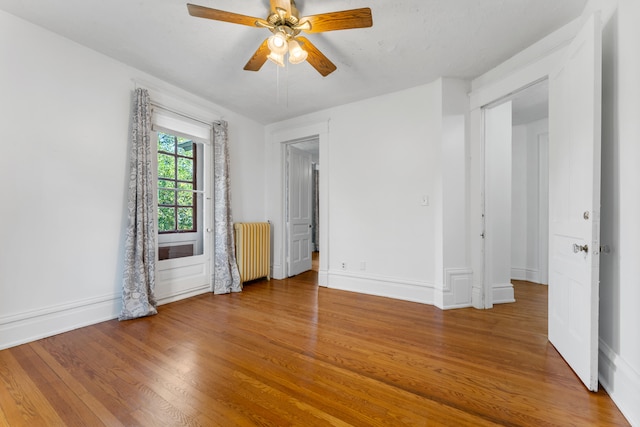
point(226, 277)
point(138, 297)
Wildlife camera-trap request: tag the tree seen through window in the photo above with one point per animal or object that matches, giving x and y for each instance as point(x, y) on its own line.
point(176, 184)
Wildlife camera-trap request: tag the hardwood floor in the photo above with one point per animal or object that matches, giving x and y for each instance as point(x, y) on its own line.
point(287, 353)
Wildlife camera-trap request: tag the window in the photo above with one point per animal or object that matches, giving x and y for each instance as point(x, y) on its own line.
point(176, 184)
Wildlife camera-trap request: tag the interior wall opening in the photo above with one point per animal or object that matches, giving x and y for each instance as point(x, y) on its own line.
point(516, 191)
point(302, 209)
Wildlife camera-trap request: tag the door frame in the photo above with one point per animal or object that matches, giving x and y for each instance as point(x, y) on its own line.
point(511, 79)
point(287, 145)
point(488, 212)
point(276, 188)
point(185, 276)
point(505, 293)
point(516, 77)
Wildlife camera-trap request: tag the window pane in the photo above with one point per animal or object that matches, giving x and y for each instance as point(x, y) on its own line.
point(166, 143)
point(163, 183)
point(185, 169)
point(166, 219)
point(185, 147)
point(185, 198)
point(166, 197)
point(185, 186)
point(166, 166)
point(185, 219)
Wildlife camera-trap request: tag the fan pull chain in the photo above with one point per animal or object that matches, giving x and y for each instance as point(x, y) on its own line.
point(286, 85)
point(277, 85)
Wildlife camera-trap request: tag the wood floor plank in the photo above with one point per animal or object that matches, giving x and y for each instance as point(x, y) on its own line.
point(78, 385)
point(285, 352)
point(22, 400)
point(69, 406)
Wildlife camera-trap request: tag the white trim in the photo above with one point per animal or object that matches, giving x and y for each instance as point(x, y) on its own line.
point(277, 271)
point(621, 382)
point(390, 287)
point(276, 185)
point(528, 274)
point(476, 297)
point(503, 293)
point(556, 40)
point(173, 98)
point(36, 324)
point(543, 206)
point(33, 325)
point(526, 68)
point(457, 289)
point(184, 294)
point(323, 278)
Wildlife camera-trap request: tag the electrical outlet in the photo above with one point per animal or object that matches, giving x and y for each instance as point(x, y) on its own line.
point(344, 265)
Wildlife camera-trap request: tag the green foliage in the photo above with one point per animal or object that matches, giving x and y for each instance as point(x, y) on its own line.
point(176, 165)
point(185, 198)
point(166, 166)
point(166, 197)
point(166, 219)
point(185, 169)
point(185, 218)
point(166, 143)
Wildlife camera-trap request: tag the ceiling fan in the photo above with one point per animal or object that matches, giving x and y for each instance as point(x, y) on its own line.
point(285, 25)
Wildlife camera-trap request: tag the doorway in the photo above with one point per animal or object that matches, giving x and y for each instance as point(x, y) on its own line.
point(575, 90)
point(302, 196)
point(516, 190)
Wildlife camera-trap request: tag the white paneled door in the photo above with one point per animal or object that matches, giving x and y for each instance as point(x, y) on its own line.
point(574, 202)
point(299, 210)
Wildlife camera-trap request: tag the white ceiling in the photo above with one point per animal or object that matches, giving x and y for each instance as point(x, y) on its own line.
point(412, 42)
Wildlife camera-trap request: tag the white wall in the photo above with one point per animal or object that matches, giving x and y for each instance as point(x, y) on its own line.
point(454, 276)
point(498, 147)
point(620, 269)
point(526, 222)
point(65, 112)
point(519, 201)
point(395, 170)
point(377, 155)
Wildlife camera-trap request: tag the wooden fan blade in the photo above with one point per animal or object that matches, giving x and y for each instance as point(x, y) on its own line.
point(317, 58)
point(221, 15)
point(259, 58)
point(344, 20)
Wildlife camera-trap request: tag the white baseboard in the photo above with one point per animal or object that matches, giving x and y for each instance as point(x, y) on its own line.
point(277, 272)
point(528, 274)
point(183, 294)
point(456, 291)
point(621, 382)
point(36, 324)
point(391, 287)
point(476, 297)
point(323, 278)
point(33, 325)
point(503, 293)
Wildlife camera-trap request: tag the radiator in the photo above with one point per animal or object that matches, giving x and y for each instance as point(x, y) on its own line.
point(253, 247)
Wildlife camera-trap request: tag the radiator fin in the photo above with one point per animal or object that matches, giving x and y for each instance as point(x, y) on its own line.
point(253, 247)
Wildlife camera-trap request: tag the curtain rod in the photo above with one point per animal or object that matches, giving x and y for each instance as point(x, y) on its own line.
point(157, 105)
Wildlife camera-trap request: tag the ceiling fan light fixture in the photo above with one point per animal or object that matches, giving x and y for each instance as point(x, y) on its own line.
point(296, 53)
point(277, 58)
point(285, 24)
point(278, 43)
